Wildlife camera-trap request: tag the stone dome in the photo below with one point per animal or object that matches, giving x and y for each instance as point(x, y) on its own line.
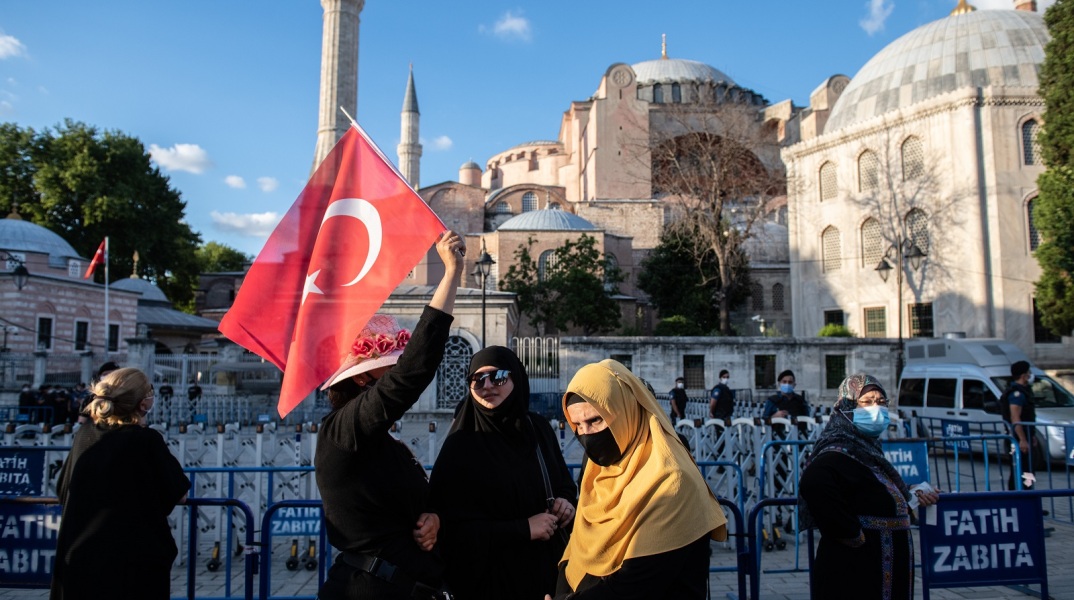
point(470, 165)
point(770, 243)
point(977, 49)
point(148, 290)
point(17, 235)
point(672, 70)
point(549, 219)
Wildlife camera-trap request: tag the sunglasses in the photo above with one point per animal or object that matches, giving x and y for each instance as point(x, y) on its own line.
point(498, 377)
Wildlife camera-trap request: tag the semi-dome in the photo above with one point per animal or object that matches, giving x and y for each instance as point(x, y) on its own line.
point(17, 235)
point(548, 219)
point(147, 289)
point(674, 70)
point(969, 50)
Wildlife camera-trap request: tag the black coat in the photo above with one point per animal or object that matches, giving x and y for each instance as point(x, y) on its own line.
point(117, 487)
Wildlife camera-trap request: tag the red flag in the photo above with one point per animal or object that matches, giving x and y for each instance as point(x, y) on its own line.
point(350, 238)
point(98, 259)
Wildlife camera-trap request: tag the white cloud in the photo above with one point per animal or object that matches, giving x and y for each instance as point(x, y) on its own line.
point(249, 224)
point(879, 11)
point(268, 184)
point(234, 181)
point(11, 47)
point(510, 27)
point(6, 108)
point(442, 143)
point(181, 157)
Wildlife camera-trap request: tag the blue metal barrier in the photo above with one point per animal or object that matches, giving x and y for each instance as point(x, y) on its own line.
point(741, 549)
point(249, 560)
point(264, 586)
point(26, 415)
point(35, 549)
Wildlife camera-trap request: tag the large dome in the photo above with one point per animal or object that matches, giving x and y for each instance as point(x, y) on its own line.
point(671, 70)
point(546, 220)
point(147, 289)
point(976, 49)
point(17, 235)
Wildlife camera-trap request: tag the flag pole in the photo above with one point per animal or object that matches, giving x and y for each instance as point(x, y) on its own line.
point(107, 326)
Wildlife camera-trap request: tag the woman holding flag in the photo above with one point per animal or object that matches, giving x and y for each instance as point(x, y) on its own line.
point(374, 490)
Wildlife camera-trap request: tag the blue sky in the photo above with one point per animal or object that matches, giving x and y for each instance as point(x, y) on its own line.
point(224, 92)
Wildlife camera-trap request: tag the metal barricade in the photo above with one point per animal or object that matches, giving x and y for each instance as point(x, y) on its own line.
point(265, 581)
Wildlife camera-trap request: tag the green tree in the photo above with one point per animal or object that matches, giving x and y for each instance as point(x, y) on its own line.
point(575, 290)
point(214, 257)
point(683, 287)
point(1053, 210)
point(85, 184)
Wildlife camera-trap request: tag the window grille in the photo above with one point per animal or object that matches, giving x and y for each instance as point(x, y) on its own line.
point(777, 297)
point(831, 249)
point(502, 208)
point(1030, 143)
point(921, 324)
point(828, 187)
point(872, 244)
point(868, 172)
point(529, 202)
point(917, 225)
point(876, 322)
point(1034, 235)
point(757, 296)
point(546, 263)
point(913, 159)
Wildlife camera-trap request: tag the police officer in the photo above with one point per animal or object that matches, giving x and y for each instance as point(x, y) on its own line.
point(722, 399)
point(1018, 408)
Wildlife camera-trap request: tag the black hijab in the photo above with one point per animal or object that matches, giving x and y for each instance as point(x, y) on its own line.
point(510, 417)
point(840, 435)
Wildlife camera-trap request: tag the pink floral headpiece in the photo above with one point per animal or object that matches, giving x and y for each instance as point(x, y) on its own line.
point(379, 344)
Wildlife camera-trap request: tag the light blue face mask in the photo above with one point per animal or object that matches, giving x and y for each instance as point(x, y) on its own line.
point(871, 420)
point(786, 388)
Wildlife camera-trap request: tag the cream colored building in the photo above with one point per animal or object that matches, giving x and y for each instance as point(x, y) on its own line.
point(931, 145)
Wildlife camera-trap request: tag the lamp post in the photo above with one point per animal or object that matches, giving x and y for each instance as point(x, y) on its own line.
point(20, 273)
point(481, 271)
point(902, 250)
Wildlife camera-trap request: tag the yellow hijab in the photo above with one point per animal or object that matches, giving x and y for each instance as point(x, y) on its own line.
point(653, 500)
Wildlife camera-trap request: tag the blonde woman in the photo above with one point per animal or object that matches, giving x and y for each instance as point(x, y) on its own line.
point(117, 487)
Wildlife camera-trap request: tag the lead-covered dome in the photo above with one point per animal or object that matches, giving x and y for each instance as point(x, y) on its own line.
point(969, 50)
point(17, 235)
point(549, 219)
point(147, 289)
point(674, 70)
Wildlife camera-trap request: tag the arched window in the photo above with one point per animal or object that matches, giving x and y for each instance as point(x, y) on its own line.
point(831, 249)
point(868, 172)
point(611, 267)
point(676, 93)
point(913, 158)
point(529, 202)
point(828, 187)
point(546, 263)
point(777, 297)
point(1034, 235)
point(917, 227)
point(1030, 143)
point(502, 208)
point(872, 244)
point(757, 296)
point(658, 93)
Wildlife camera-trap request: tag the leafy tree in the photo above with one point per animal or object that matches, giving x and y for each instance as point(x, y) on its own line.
point(833, 330)
point(704, 164)
point(85, 184)
point(214, 257)
point(683, 289)
point(1053, 210)
point(575, 290)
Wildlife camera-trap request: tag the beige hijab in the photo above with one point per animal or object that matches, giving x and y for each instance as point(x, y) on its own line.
point(653, 500)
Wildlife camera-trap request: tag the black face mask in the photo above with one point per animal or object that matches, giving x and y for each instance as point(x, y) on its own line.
point(601, 448)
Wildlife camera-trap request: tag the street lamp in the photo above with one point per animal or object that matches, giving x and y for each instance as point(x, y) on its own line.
point(481, 271)
point(20, 273)
point(901, 253)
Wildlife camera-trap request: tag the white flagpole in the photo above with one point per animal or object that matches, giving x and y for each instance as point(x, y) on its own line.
point(107, 326)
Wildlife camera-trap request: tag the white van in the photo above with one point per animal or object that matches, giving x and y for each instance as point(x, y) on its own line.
point(962, 379)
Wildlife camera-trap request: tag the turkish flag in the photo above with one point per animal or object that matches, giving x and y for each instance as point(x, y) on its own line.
point(350, 238)
point(98, 259)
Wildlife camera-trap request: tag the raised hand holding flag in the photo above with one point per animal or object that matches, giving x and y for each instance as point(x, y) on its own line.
point(350, 238)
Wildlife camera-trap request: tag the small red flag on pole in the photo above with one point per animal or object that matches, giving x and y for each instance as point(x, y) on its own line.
point(350, 238)
point(99, 258)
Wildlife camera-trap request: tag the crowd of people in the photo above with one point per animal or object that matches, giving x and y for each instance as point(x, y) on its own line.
point(501, 515)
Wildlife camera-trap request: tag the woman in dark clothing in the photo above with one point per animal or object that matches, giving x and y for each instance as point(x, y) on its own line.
point(117, 487)
point(374, 491)
point(859, 502)
point(504, 524)
point(645, 514)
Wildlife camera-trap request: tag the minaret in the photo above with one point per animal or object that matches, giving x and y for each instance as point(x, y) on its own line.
point(1028, 5)
point(409, 147)
point(339, 73)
